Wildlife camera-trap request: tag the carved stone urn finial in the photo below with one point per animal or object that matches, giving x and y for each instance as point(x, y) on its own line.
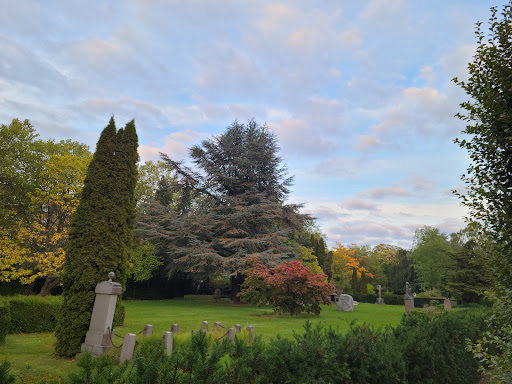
point(111, 275)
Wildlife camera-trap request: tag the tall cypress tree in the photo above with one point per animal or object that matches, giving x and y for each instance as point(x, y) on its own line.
point(100, 234)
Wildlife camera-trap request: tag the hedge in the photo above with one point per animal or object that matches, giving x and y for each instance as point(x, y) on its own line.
point(5, 319)
point(389, 298)
point(30, 314)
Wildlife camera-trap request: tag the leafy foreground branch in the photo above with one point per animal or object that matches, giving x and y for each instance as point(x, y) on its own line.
point(422, 349)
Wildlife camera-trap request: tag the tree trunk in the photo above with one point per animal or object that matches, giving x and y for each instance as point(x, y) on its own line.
point(49, 283)
point(236, 282)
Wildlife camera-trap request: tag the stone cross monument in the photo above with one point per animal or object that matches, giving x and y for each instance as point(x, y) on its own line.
point(98, 339)
point(380, 300)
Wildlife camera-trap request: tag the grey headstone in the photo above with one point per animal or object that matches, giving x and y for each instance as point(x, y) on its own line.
point(128, 347)
point(345, 303)
point(231, 334)
point(238, 328)
point(447, 304)
point(174, 328)
point(204, 326)
point(148, 330)
point(217, 294)
point(168, 341)
point(252, 332)
point(409, 305)
point(98, 339)
point(217, 325)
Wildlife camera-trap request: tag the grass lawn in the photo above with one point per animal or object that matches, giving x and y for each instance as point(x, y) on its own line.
point(32, 359)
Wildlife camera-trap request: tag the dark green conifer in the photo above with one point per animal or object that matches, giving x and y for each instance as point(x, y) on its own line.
point(100, 234)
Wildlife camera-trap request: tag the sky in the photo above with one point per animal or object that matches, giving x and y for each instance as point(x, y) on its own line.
point(358, 93)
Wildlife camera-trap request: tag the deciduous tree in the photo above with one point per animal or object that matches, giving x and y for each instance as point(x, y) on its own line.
point(430, 256)
point(488, 181)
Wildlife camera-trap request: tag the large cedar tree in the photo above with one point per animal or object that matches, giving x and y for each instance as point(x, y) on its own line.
point(230, 207)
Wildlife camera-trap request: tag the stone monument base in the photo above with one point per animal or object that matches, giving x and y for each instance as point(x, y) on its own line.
point(409, 305)
point(380, 301)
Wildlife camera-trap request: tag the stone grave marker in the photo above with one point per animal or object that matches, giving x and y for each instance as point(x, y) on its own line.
point(128, 347)
point(408, 298)
point(98, 338)
point(380, 300)
point(168, 341)
point(345, 303)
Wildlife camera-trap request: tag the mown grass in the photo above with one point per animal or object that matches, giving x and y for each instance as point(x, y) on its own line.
point(33, 361)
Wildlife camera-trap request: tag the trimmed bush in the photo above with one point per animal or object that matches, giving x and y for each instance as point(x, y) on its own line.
point(30, 314)
point(368, 298)
point(392, 299)
point(5, 319)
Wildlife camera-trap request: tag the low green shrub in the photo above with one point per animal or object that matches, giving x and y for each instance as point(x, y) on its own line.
point(392, 299)
point(367, 298)
point(30, 314)
point(434, 348)
point(5, 319)
point(422, 349)
point(5, 373)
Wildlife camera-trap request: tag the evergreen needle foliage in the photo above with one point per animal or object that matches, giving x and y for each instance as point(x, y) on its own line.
point(101, 232)
point(231, 208)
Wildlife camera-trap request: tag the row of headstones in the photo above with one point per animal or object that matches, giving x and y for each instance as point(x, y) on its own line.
point(409, 303)
point(130, 338)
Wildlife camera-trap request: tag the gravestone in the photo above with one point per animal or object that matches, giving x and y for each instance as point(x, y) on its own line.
point(252, 332)
point(447, 304)
point(128, 347)
point(217, 294)
point(168, 341)
point(148, 330)
point(204, 326)
point(98, 338)
point(345, 303)
point(174, 328)
point(380, 300)
point(238, 328)
point(231, 334)
point(408, 298)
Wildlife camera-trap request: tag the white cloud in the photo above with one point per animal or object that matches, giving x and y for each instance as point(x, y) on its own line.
point(383, 192)
point(366, 142)
point(175, 145)
point(382, 9)
point(351, 38)
point(427, 73)
point(359, 205)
